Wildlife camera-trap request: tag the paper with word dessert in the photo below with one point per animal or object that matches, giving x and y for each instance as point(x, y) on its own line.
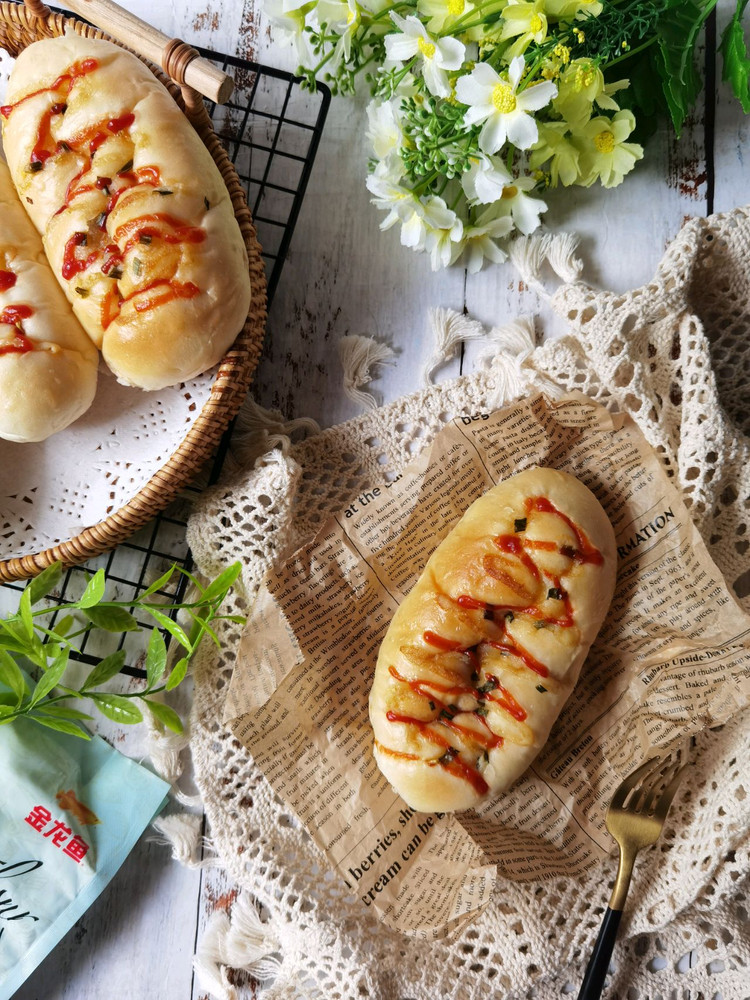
point(672, 657)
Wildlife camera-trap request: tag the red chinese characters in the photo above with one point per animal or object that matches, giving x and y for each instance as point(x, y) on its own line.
point(58, 833)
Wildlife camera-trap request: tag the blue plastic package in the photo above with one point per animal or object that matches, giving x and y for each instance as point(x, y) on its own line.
point(71, 811)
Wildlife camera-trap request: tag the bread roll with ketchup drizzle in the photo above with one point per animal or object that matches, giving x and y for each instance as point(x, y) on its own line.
point(484, 651)
point(135, 218)
point(48, 366)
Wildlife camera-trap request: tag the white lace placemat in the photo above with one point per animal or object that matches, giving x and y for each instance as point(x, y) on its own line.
point(676, 356)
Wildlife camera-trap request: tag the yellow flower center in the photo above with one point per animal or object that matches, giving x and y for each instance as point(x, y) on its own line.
point(510, 191)
point(535, 24)
point(456, 7)
point(604, 142)
point(350, 17)
point(503, 98)
point(426, 48)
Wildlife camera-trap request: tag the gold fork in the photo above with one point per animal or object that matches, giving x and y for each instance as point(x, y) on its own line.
point(635, 819)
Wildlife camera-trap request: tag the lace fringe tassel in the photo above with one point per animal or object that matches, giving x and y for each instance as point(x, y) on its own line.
point(181, 832)
point(450, 329)
point(358, 354)
point(529, 254)
point(244, 942)
point(562, 256)
point(258, 431)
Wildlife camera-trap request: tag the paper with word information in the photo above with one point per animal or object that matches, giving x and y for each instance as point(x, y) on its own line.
point(672, 657)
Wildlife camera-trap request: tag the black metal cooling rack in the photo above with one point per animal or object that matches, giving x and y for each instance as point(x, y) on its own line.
point(271, 128)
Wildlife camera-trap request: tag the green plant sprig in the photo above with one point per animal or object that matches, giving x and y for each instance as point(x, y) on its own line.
point(27, 646)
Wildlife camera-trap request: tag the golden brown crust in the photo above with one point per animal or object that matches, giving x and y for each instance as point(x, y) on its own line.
point(483, 653)
point(48, 366)
point(135, 217)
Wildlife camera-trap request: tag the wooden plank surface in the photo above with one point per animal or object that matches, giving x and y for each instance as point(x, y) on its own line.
point(343, 276)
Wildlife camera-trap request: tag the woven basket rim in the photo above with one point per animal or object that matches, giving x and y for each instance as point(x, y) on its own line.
point(235, 371)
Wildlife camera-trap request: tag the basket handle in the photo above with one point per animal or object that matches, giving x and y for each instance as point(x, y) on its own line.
point(178, 60)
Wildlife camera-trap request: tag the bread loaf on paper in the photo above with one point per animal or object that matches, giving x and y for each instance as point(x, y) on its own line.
point(48, 366)
point(136, 220)
point(484, 651)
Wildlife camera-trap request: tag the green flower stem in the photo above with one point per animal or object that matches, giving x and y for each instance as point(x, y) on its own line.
point(487, 9)
point(387, 10)
point(630, 52)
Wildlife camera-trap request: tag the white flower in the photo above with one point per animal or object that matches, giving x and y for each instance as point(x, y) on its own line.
point(497, 102)
point(443, 13)
point(442, 232)
point(435, 54)
point(384, 129)
point(289, 17)
point(526, 22)
point(343, 18)
point(389, 194)
point(484, 181)
point(479, 240)
point(521, 207)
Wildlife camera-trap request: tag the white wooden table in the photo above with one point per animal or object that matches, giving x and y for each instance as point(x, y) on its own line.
point(341, 277)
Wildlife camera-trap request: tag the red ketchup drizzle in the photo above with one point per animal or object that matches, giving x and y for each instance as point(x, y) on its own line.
point(175, 232)
point(455, 765)
point(513, 545)
point(511, 646)
point(516, 545)
point(13, 316)
point(502, 697)
point(586, 553)
point(7, 280)
point(433, 639)
point(472, 603)
point(170, 290)
point(44, 145)
point(85, 145)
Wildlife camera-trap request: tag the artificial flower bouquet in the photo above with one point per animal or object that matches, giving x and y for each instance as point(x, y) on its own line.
point(480, 106)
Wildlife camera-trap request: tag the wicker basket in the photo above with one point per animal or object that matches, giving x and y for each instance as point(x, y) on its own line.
point(20, 25)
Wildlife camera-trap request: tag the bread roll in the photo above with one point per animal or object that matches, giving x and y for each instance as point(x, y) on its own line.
point(481, 656)
point(136, 220)
point(48, 366)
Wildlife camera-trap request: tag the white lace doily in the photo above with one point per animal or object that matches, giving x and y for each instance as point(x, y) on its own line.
point(676, 356)
point(50, 491)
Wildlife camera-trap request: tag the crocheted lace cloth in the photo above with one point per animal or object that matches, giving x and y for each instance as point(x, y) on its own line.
point(675, 355)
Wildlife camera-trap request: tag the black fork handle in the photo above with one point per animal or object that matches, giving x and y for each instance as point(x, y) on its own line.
point(596, 971)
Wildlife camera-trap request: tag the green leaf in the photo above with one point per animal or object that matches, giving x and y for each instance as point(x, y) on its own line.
point(61, 726)
point(105, 669)
point(49, 680)
point(736, 67)
point(61, 712)
point(677, 31)
point(177, 674)
point(63, 626)
point(13, 636)
point(47, 580)
point(172, 627)
point(118, 709)
point(11, 676)
point(112, 619)
point(94, 591)
point(156, 658)
point(219, 587)
point(24, 615)
point(158, 584)
point(165, 715)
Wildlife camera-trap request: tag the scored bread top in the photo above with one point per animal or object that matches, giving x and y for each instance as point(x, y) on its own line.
point(135, 217)
point(484, 651)
point(48, 366)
